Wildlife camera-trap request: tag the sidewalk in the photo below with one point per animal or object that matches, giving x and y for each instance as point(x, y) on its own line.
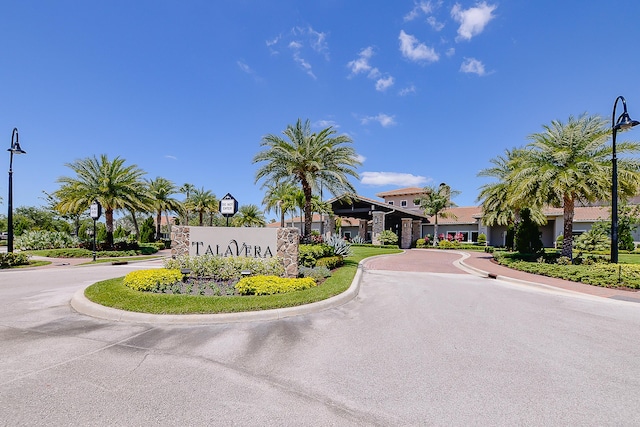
point(484, 263)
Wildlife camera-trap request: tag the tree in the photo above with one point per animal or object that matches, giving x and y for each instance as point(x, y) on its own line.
point(249, 216)
point(280, 198)
point(311, 159)
point(110, 182)
point(202, 201)
point(186, 189)
point(160, 191)
point(528, 234)
point(434, 203)
point(568, 163)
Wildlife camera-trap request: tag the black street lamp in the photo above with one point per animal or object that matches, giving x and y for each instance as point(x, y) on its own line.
point(15, 149)
point(624, 122)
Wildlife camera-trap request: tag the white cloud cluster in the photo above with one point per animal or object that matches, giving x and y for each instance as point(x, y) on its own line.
point(415, 51)
point(393, 178)
point(384, 120)
point(420, 8)
point(473, 20)
point(361, 65)
point(297, 40)
point(472, 65)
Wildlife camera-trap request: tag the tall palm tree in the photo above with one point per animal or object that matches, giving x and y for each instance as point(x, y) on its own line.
point(201, 201)
point(186, 189)
point(497, 208)
point(279, 198)
point(435, 201)
point(110, 182)
point(570, 162)
point(310, 159)
point(249, 216)
point(160, 191)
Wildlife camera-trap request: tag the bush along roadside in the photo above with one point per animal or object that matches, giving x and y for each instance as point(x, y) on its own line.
point(597, 274)
point(13, 259)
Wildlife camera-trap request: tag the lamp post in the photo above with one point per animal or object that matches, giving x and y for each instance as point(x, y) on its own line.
point(622, 123)
point(15, 149)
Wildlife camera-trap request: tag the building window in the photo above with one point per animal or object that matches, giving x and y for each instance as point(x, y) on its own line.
point(403, 203)
point(474, 236)
point(391, 202)
point(347, 235)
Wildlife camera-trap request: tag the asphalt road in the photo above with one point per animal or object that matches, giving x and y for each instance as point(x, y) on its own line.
point(414, 348)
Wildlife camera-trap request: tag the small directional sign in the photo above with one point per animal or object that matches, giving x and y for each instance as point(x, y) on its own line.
point(96, 210)
point(228, 205)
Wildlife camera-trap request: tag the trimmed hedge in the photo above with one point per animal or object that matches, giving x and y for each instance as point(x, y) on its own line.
point(150, 280)
point(269, 285)
point(331, 262)
point(12, 259)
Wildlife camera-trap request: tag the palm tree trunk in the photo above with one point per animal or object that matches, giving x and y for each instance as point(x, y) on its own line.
point(308, 215)
point(435, 231)
point(108, 217)
point(567, 242)
point(158, 220)
point(136, 229)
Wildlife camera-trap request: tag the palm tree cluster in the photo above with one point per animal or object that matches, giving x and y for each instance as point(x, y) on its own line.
point(564, 165)
point(307, 161)
point(435, 201)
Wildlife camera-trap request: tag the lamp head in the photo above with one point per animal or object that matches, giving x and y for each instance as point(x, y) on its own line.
point(15, 149)
point(624, 122)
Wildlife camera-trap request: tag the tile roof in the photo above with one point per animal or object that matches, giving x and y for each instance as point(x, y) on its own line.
point(401, 192)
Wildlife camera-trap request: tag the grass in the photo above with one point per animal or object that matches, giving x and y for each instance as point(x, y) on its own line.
point(121, 259)
point(113, 293)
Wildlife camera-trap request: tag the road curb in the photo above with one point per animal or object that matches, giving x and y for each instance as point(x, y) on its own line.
point(81, 304)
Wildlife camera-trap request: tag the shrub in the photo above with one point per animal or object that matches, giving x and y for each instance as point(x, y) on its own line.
point(388, 237)
point(316, 273)
point(421, 243)
point(308, 254)
point(330, 262)
point(268, 285)
point(12, 259)
point(559, 241)
point(482, 239)
point(152, 280)
point(446, 244)
point(226, 268)
point(340, 246)
point(34, 240)
point(358, 240)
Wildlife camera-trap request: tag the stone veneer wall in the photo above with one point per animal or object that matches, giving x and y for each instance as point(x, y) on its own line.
point(287, 246)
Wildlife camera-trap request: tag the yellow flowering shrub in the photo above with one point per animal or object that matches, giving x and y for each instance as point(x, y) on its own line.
point(148, 280)
point(267, 285)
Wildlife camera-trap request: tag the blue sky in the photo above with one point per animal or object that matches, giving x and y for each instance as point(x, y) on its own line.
point(429, 91)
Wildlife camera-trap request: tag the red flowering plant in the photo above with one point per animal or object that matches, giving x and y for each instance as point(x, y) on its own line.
point(459, 237)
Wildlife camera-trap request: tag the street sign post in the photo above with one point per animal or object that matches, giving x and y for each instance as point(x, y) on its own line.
point(95, 212)
point(228, 206)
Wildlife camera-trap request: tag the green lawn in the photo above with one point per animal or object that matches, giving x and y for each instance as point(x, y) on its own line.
point(113, 293)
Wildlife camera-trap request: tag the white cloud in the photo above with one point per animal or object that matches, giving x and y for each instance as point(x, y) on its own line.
point(433, 22)
point(473, 20)
point(412, 49)
point(407, 90)
point(450, 52)
point(169, 156)
point(325, 124)
point(393, 178)
point(472, 65)
point(360, 158)
point(303, 42)
point(384, 83)
point(419, 8)
point(384, 120)
point(361, 64)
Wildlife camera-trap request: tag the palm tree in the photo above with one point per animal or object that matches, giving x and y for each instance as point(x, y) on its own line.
point(279, 197)
point(201, 201)
point(110, 182)
point(160, 191)
point(186, 189)
point(497, 208)
point(435, 201)
point(570, 162)
point(311, 159)
point(249, 216)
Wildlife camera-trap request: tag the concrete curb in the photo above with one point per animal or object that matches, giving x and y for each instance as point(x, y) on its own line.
point(82, 305)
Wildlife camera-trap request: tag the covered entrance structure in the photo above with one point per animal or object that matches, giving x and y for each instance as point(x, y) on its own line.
point(379, 216)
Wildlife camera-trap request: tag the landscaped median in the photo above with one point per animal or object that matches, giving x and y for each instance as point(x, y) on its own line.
point(114, 294)
point(597, 271)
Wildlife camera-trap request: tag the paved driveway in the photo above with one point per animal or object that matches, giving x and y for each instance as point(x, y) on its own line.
point(414, 348)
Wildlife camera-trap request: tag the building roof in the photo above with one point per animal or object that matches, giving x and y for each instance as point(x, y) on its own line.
point(462, 215)
point(402, 192)
point(583, 213)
